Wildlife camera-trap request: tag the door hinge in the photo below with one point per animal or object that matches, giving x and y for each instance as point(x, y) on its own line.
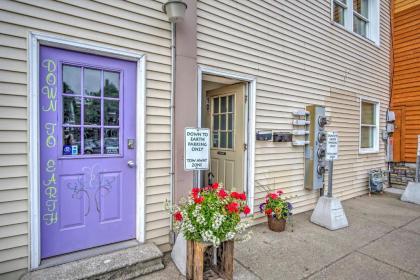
point(245, 146)
point(246, 98)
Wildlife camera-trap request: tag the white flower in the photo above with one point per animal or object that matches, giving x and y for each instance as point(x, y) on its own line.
point(217, 221)
point(230, 235)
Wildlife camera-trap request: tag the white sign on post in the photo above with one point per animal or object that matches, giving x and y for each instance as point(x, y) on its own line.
point(197, 148)
point(332, 146)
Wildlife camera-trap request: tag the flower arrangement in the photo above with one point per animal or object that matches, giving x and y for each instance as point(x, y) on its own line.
point(275, 206)
point(211, 214)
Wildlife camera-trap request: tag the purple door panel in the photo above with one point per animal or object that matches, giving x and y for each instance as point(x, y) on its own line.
point(87, 117)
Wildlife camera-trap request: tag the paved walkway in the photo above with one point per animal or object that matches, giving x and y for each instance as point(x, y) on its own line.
point(382, 242)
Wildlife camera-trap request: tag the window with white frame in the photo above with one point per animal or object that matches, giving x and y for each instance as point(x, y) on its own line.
point(369, 126)
point(358, 16)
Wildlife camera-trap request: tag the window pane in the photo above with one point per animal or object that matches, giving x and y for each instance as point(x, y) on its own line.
point(71, 110)
point(338, 14)
point(111, 141)
point(362, 7)
point(359, 26)
point(230, 121)
point(92, 82)
point(92, 112)
point(71, 141)
point(223, 122)
point(111, 84)
point(367, 137)
point(223, 104)
point(231, 102)
point(71, 79)
point(111, 112)
point(216, 122)
point(230, 140)
point(215, 139)
point(368, 113)
point(223, 139)
point(92, 141)
point(216, 105)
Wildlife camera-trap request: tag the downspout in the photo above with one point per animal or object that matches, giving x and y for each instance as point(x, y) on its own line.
point(172, 124)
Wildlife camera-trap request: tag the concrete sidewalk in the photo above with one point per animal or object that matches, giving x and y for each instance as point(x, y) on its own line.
point(382, 242)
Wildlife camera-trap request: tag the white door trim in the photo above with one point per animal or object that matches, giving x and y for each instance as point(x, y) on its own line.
point(35, 39)
point(251, 91)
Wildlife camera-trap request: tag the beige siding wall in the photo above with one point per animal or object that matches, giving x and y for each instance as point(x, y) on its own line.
point(129, 25)
point(299, 57)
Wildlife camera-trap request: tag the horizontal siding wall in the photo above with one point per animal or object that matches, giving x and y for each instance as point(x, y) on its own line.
point(299, 58)
point(406, 77)
point(128, 25)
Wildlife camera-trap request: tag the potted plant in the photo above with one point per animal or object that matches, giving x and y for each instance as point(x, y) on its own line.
point(211, 217)
point(277, 211)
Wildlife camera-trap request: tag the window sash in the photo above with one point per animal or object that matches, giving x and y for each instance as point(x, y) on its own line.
point(369, 138)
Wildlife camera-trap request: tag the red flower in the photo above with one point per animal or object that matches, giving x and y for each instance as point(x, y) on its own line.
point(242, 196)
point(178, 216)
point(247, 210)
point(234, 195)
point(222, 194)
point(268, 211)
point(206, 188)
point(195, 192)
point(233, 207)
point(198, 200)
point(215, 186)
point(280, 192)
point(272, 195)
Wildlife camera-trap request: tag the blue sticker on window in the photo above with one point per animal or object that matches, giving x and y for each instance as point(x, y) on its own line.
point(66, 150)
point(74, 150)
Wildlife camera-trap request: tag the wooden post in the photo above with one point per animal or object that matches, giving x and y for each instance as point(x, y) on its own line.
point(195, 261)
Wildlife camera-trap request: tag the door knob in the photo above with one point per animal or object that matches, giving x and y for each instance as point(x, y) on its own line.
point(131, 163)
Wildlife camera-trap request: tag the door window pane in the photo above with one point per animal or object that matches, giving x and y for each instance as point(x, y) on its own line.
point(92, 112)
point(216, 122)
point(111, 84)
point(111, 112)
point(231, 103)
point(71, 141)
point(230, 140)
point(223, 139)
point(223, 104)
point(230, 121)
point(71, 110)
point(92, 82)
point(216, 105)
point(215, 139)
point(111, 141)
point(71, 79)
point(92, 141)
point(223, 122)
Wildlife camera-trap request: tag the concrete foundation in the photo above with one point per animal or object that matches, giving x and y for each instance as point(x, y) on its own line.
point(329, 213)
point(412, 193)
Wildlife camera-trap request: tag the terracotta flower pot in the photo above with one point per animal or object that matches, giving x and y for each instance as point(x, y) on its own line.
point(276, 225)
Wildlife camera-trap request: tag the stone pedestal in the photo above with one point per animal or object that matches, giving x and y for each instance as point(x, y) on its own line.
point(412, 193)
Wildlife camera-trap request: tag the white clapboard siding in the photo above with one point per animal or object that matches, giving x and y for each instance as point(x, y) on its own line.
point(299, 58)
point(128, 25)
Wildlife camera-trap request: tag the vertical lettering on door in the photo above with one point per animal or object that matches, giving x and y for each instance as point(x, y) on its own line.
point(48, 128)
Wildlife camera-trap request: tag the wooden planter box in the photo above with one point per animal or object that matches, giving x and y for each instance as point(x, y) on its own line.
point(200, 261)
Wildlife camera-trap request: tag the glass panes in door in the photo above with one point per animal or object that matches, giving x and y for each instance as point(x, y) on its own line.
point(223, 120)
point(90, 111)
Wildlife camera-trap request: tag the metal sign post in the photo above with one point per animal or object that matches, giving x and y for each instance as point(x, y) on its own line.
point(412, 191)
point(329, 212)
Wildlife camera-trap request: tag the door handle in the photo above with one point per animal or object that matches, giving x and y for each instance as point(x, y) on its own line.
point(131, 163)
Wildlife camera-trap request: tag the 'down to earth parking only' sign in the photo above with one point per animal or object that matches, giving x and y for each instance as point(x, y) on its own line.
point(332, 146)
point(197, 148)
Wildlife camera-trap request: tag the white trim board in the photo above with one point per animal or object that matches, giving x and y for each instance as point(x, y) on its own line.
point(251, 91)
point(34, 41)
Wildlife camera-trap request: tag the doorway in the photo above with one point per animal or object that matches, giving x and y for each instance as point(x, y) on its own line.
point(224, 99)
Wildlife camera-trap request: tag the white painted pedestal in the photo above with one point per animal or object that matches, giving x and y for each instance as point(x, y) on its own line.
point(179, 254)
point(412, 193)
point(329, 213)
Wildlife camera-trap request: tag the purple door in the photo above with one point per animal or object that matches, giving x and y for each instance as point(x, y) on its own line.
point(87, 146)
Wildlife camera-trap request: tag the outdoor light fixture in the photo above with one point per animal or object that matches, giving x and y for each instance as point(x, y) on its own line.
point(175, 10)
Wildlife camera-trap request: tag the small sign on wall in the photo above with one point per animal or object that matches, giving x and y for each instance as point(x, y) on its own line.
point(332, 146)
point(418, 145)
point(197, 148)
